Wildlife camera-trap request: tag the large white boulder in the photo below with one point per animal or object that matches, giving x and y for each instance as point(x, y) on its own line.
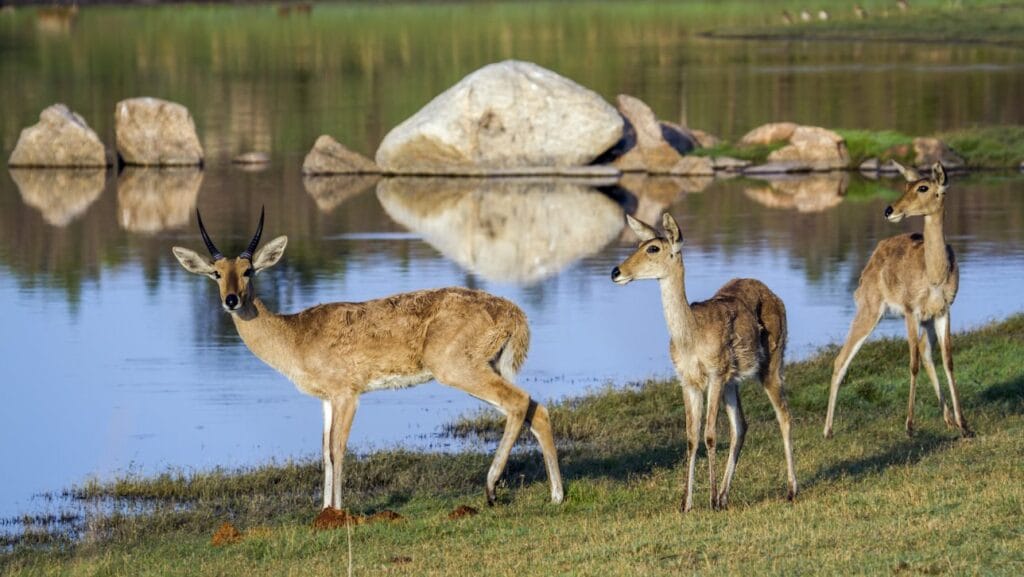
point(504, 116)
point(154, 132)
point(60, 139)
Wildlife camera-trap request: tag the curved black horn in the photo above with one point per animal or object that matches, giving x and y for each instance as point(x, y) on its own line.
point(255, 240)
point(206, 238)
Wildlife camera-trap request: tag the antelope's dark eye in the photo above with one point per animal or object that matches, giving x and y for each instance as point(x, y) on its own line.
point(216, 274)
point(248, 272)
point(922, 188)
point(653, 249)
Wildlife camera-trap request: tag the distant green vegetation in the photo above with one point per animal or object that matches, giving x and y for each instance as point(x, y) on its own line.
point(873, 501)
point(973, 21)
point(988, 146)
point(883, 145)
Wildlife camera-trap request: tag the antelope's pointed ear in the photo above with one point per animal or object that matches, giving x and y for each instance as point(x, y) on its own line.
point(193, 262)
point(910, 174)
point(268, 255)
point(641, 230)
point(939, 175)
point(672, 232)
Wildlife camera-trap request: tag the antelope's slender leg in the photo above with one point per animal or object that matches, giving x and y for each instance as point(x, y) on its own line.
point(693, 403)
point(913, 330)
point(927, 341)
point(773, 387)
point(868, 315)
point(328, 470)
point(343, 411)
point(540, 425)
point(714, 392)
point(946, 345)
point(738, 432)
point(487, 385)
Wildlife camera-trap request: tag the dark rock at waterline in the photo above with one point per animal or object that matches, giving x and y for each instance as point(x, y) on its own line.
point(651, 146)
point(61, 138)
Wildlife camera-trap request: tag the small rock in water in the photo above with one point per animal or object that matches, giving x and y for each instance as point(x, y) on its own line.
point(329, 156)
point(769, 133)
point(819, 148)
point(253, 157)
point(928, 151)
point(60, 139)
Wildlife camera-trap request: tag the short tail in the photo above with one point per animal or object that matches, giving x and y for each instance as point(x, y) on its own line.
point(513, 353)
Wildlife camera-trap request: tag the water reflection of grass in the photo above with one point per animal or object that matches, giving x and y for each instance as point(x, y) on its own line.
point(873, 501)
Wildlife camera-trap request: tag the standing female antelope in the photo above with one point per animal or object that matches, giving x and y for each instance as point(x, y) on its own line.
point(917, 276)
point(466, 339)
point(738, 333)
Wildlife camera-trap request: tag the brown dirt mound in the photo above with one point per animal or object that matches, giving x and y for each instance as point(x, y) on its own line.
point(385, 515)
point(331, 518)
point(462, 511)
point(226, 535)
point(400, 560)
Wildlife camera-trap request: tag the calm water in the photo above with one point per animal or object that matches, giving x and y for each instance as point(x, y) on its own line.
point(115, 359)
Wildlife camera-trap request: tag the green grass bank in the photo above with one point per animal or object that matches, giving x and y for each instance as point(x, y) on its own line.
point(992, 22)
point(873, 501)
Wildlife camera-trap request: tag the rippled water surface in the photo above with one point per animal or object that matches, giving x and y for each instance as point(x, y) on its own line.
point(115, 359)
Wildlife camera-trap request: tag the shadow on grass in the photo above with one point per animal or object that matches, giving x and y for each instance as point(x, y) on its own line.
point(909, 451)
point(1007, 396)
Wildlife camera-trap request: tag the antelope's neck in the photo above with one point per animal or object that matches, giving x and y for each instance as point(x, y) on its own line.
point(265, 332)
point(936, 261)
point(678, 315)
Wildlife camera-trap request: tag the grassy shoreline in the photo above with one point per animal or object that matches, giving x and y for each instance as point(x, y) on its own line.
point(996, 23)
point(872, 500)
point(982, 148)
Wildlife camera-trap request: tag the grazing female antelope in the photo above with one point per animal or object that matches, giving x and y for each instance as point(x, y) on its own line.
point(466, 339)
point(738, 333)
point(916, 276)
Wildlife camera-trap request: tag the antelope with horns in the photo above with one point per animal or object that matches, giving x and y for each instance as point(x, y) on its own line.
point(916, 276)
point(463, 338)
point(738, 333)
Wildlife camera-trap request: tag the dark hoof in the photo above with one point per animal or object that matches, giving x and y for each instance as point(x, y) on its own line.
point(966, 433)
point(791, 496)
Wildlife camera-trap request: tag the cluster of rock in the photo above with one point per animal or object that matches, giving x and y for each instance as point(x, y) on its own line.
point(508, 118)
point(148, 132)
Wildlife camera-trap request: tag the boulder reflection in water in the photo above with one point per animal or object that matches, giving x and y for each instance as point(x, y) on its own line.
point(61, 194)
point(505, 230)
point(329, 192)
point(151, 200)
point(805, 193)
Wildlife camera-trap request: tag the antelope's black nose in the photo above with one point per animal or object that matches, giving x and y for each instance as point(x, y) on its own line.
point(231, 301)
point(888, 211)
point(615, 273)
